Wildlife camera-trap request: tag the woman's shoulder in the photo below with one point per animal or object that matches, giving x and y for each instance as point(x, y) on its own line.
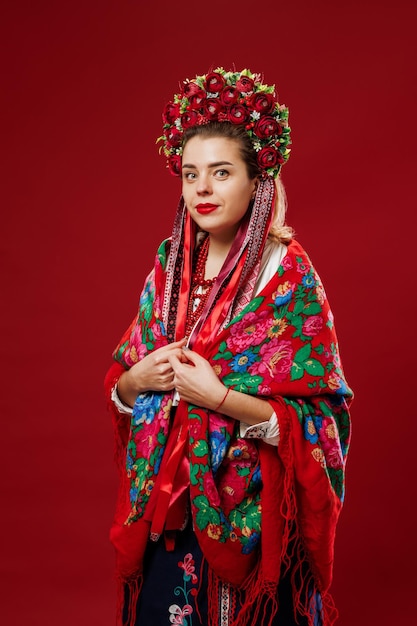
point(295, 246)
point(293, 249)
point(275, 248)
point(298, 254)
point(279, 256)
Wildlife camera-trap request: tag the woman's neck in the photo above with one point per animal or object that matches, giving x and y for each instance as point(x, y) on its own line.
point(217, 253)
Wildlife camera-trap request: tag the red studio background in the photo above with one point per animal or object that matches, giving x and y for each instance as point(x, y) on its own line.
point(86, 200)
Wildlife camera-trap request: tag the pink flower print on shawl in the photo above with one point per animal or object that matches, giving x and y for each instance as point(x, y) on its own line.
point(276, 360)
point(136, 351)
point(250, 331)
point(312, 325)
point(330, 443)
point(287, 262)
point(232, 485)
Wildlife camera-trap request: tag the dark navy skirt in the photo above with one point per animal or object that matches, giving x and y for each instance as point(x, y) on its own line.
point(172, 578)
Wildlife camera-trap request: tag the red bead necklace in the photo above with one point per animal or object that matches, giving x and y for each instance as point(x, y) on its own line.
point(200, 288)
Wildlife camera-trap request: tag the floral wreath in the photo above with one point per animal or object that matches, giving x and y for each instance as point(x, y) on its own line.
point(236, 97)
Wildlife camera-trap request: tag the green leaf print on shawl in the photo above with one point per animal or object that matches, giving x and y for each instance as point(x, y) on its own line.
point(281, 347)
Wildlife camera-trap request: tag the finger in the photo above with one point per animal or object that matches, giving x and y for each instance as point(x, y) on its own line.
point(193, 357)
point(168, 383)
point(176, 344)
point(174, 361)
point(164, 368)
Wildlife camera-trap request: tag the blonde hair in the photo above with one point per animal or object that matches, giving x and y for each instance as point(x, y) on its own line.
point(279, 230)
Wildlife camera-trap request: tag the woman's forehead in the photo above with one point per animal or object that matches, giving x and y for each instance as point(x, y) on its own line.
point(211, 149)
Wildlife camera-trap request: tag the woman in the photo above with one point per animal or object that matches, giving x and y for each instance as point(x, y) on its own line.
point(228, 396)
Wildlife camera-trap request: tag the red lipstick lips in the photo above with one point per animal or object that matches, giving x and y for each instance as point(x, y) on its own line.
point(206, 208)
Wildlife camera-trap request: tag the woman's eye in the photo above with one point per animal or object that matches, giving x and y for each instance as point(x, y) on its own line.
point(222, 173)
point(189, 175)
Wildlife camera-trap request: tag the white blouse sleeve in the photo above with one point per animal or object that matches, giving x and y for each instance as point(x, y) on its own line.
point(268, 431)
point(120, 406)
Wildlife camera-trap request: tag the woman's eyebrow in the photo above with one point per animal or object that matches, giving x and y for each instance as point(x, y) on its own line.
point(210, 165)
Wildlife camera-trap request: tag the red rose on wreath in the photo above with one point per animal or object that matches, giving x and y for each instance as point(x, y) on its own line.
point(190, 89)
point(281, 159)
point(267, 157)
point(262, 102)
point(174, 164)
point(197, 99)
point(245, 84)
point(174, 137)
point(213, 107)
point(202, 120)
point(267, 126)
point(189, 118)
point(214, 82)
point(229, 95)
point(171, 112)
point(238, 114)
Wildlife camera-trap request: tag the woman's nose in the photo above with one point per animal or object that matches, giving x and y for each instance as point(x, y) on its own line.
point(203, 186)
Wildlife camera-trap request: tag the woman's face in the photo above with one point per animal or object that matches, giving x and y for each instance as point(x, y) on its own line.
point(215, 185)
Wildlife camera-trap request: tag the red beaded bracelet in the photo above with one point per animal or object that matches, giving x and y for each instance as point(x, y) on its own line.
point(224, 398)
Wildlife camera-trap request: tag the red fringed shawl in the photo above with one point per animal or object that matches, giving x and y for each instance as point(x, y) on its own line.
point(256, 508)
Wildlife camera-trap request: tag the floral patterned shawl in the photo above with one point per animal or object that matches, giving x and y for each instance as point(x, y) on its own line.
point(256, 508)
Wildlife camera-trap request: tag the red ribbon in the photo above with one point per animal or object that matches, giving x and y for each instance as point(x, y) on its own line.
point(167, 509)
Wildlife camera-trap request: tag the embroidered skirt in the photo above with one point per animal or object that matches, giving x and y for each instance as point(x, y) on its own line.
point(174, 590)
